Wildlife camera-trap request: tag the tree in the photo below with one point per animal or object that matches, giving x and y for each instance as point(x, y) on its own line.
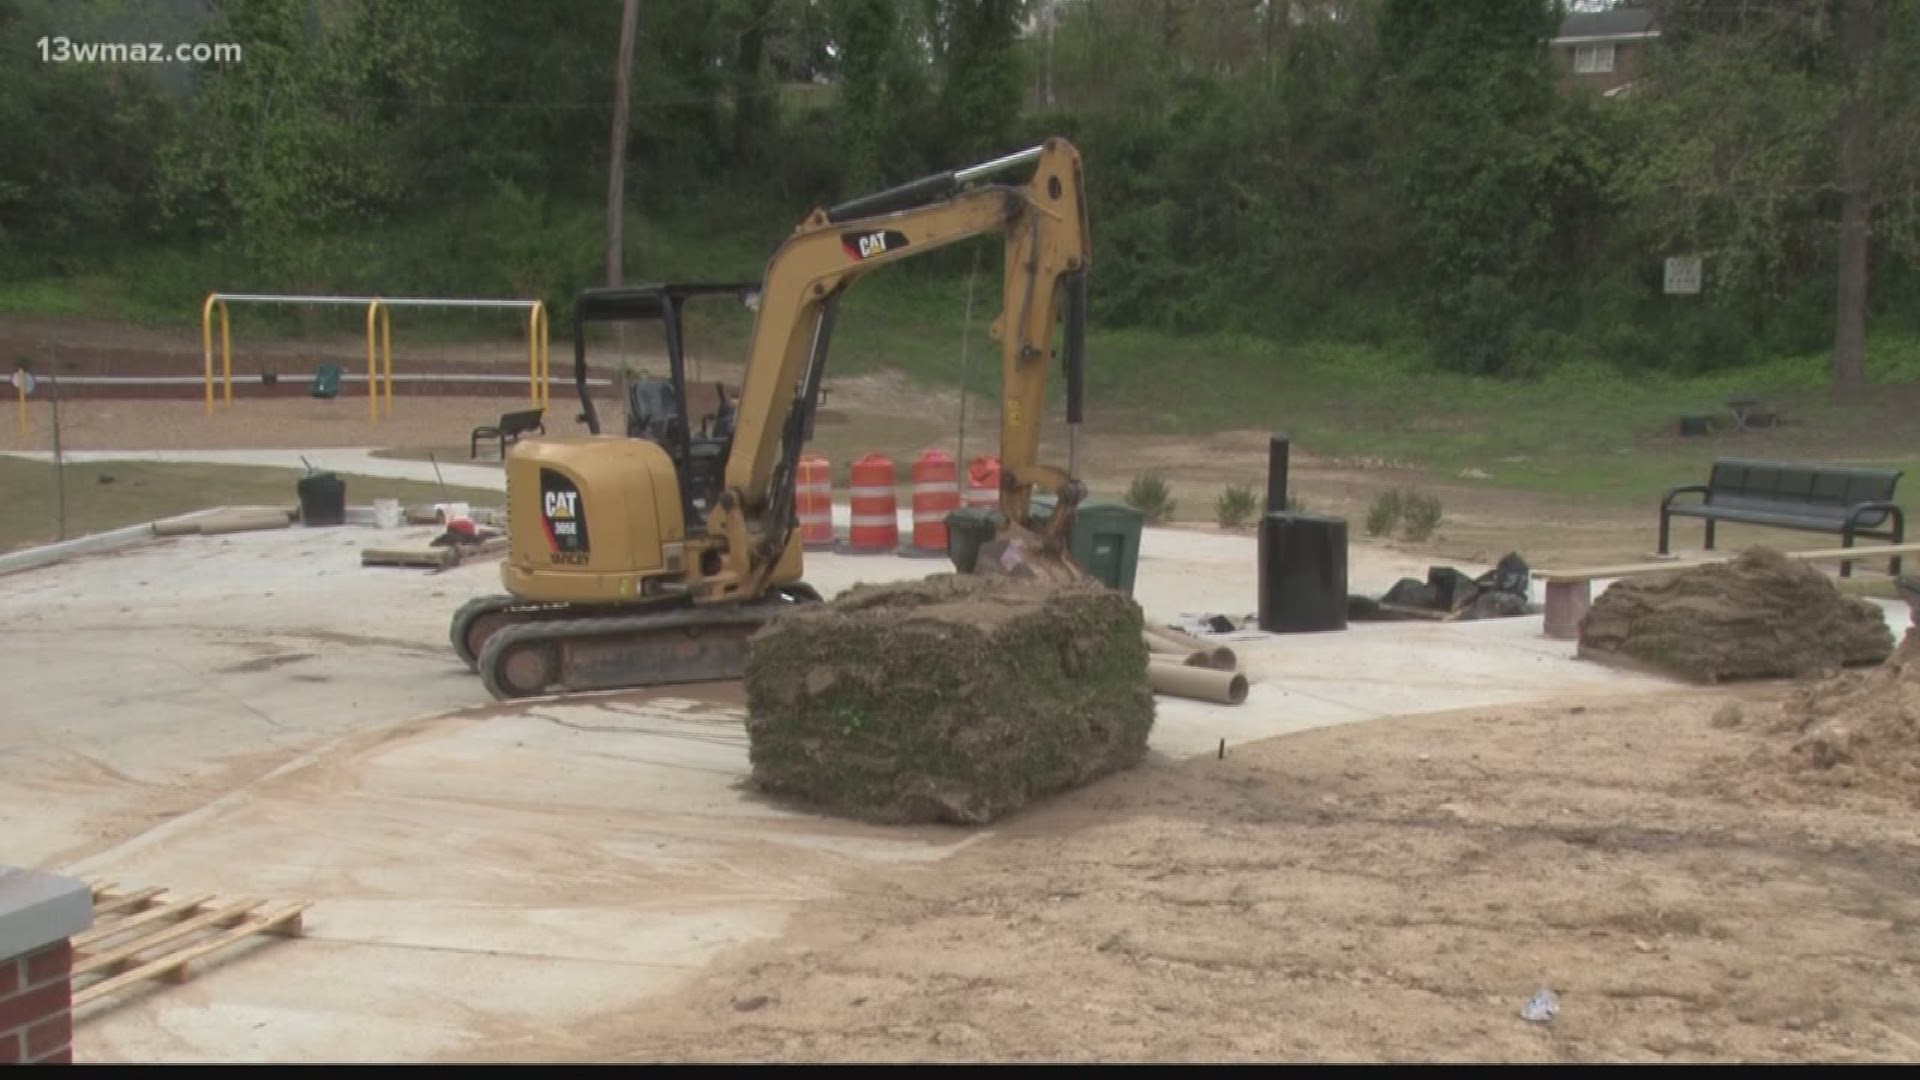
point(863, 30)
point(1470, 98)
point(617, 155)
point(282, 152)
point(1777, 138)
point(980, 92)
point(1856, 193)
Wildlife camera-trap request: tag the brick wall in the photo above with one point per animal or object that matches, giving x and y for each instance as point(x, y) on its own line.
point(36, 993)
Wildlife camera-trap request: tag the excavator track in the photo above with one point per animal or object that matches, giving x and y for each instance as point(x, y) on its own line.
point(623, 651)
point(479, 618)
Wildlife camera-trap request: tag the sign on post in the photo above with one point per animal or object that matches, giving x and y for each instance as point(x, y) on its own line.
point(1683, 275)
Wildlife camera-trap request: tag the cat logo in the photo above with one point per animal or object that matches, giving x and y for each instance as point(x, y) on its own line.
point(563, 517)
point(868, 245)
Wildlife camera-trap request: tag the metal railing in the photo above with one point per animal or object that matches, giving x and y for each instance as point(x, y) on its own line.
point(379, 340)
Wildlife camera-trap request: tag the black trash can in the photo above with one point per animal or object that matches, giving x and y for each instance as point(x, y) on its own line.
point(1303, 573)
point(323, 499)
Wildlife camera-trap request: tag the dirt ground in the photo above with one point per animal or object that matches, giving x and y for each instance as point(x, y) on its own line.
point(1393, 890)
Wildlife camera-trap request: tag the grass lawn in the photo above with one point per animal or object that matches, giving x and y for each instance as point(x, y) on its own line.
point(143, 491)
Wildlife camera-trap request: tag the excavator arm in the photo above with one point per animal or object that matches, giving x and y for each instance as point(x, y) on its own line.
point(1047, 251)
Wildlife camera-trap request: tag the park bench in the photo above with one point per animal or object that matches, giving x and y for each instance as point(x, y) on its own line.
point(1783, 495)
point(1570, 592)
point(508, 431)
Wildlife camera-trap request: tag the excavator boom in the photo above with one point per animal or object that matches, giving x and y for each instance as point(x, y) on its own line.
point(1047, 252)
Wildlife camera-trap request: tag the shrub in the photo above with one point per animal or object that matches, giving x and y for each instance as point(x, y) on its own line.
point(1235, 507)
point(1149, 494)
point(1420, 514)
point(1384, 515)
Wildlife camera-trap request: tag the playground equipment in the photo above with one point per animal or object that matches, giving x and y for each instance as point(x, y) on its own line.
point(379, 339)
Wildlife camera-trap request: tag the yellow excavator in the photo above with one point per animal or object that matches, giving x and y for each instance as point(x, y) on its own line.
point(648, 558)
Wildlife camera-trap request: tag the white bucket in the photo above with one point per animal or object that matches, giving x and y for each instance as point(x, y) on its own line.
point(386, 513)
point(454, 512)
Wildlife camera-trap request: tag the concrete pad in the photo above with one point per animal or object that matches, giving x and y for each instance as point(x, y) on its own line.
point(488, 871)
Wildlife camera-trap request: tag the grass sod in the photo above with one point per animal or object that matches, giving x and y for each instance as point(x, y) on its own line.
point(146, 491)
point(952, 699)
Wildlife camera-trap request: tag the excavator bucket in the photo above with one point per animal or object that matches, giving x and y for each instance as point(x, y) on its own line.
point(1037, 554)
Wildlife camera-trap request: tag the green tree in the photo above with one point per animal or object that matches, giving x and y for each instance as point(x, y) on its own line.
point(1471, 98)
point(307, 135)
point(1777, 138)
point(980, 90)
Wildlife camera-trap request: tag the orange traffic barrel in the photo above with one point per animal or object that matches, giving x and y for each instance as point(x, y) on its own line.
point(875, 527)
point(936, 493)
point(813, 501)
point(983, 482)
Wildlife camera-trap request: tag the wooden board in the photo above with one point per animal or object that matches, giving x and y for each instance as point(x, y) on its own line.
point(437, 558)
point(1858, 554)
point(142, 935)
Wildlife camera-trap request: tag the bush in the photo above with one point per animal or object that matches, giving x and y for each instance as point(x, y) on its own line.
point(1420, 514)
point(1149, 494)
point(1236, 506)
point(1384, 515)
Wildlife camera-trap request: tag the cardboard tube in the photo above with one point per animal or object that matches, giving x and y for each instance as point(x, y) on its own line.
point(244, 519)
point(1218, 657)
point(1178, 637)
point(1201, 684)
point(1162, 649)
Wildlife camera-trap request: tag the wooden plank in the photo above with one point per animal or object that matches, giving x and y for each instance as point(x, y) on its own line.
point(130, 900)
point(119, 953)
point(409, 556)
point(121, 926)
point(177, 960)
point(1415, 612)
point(1858, 554)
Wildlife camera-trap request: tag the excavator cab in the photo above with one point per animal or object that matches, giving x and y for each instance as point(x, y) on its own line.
point(658, 409)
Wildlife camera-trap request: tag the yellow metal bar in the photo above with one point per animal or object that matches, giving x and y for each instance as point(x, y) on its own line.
point(206, 344)
point(226, 352)
point(386, 350)
point(373, 362)
point(546, 358)
point(533, 355)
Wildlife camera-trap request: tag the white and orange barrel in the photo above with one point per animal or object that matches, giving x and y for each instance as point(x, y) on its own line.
point(983, 482)
point(875, 526)
point(813, 501)
point(936, 493)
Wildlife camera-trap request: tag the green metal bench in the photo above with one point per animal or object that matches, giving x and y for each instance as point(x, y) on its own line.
point(1838, 499)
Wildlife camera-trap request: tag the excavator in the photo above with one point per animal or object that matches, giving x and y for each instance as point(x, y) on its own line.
point(648, 558)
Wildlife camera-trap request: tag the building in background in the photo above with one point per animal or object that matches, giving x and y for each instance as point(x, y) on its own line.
point(1604, 50)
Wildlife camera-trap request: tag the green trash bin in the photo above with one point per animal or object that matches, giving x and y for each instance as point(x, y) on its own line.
point(326, 382)
point(968, 528)
point(1105, 539)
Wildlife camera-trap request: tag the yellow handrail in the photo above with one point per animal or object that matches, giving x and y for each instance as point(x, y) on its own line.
point(226, 347)
point(386, 350)
point(373, 362)
point(539, 371)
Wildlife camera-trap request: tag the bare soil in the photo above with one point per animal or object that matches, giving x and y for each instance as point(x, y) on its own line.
point(1395, 890)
